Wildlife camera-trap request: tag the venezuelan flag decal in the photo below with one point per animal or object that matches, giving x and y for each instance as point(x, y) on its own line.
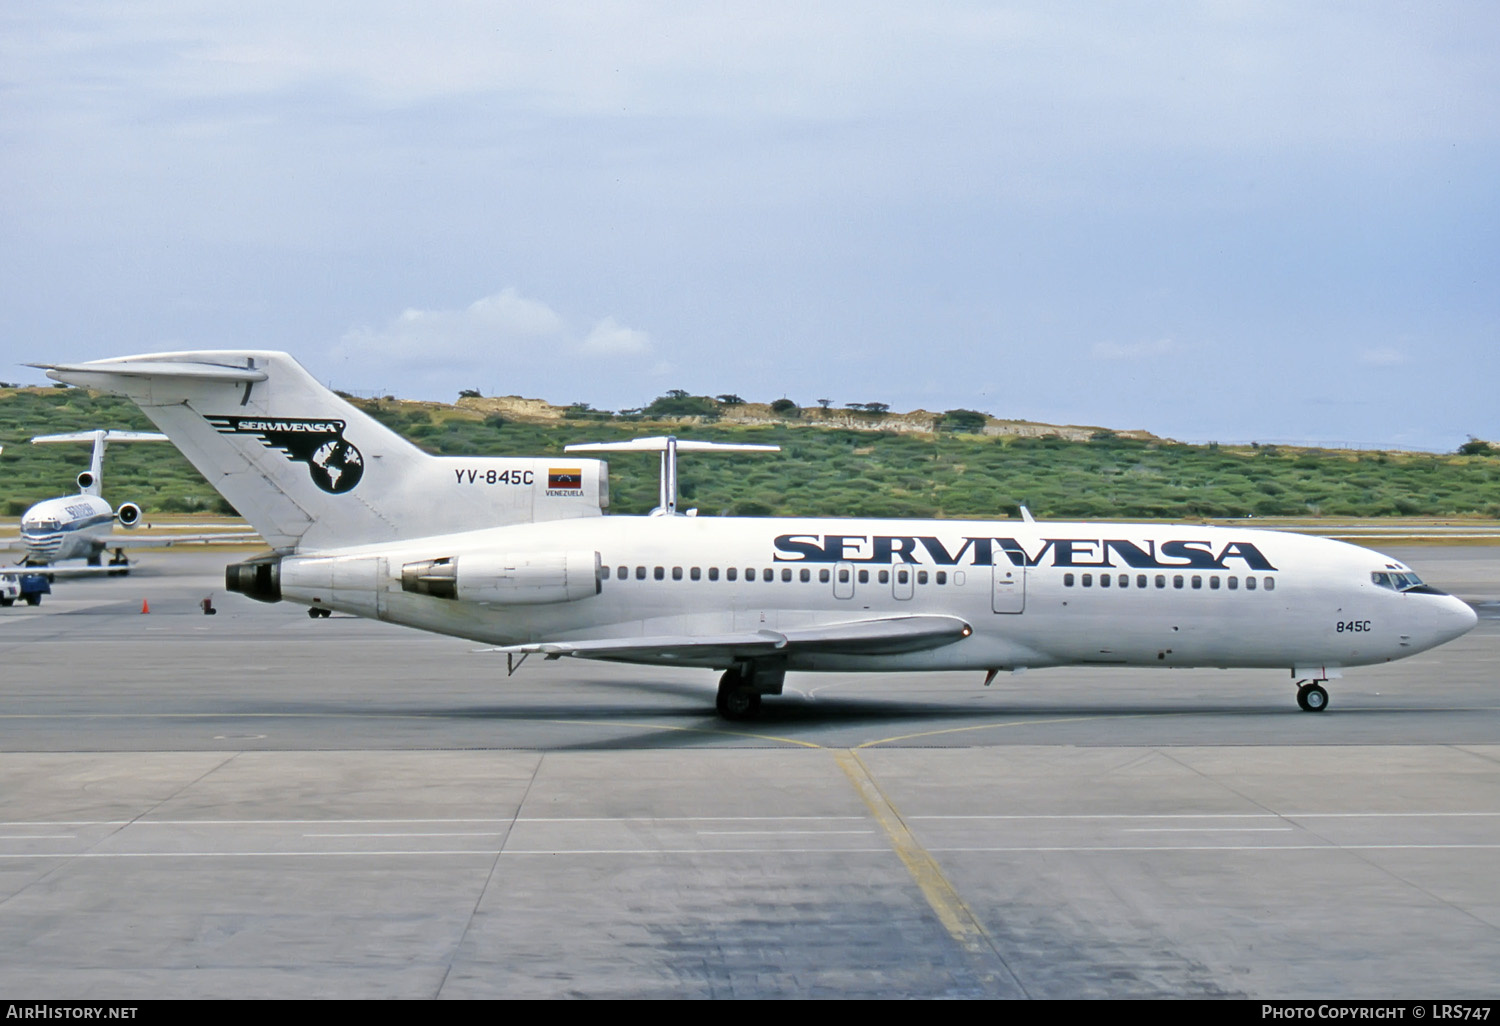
point(565, 478)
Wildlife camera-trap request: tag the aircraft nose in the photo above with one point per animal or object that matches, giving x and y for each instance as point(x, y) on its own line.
point(1452, 618)
point(1460, 617)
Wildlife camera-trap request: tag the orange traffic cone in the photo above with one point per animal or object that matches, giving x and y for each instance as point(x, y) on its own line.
point(145, 606)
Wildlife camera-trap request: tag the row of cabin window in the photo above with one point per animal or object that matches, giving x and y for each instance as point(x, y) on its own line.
point(803, 575)
point(1178, 581)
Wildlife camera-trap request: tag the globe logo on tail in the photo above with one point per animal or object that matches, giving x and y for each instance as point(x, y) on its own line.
point(333, 462)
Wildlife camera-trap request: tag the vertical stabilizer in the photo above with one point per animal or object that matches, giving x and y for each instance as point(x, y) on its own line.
point(92, 482)
point(310, 471)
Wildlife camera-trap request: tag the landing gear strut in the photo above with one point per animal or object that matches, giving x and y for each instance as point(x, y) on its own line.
point(1311, 696)
point(736, 700)
point(119, 566)
point(741, 687)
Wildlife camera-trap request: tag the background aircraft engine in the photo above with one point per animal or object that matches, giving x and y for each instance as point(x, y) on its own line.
point(509, 578)
point(129, 514)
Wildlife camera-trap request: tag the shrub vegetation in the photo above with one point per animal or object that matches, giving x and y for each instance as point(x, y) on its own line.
point(820, 471)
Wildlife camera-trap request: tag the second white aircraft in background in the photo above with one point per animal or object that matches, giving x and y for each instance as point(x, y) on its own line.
point(74, 527)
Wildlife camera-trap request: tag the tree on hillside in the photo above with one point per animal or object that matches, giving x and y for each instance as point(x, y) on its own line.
point(678, 403)
point(962, 420)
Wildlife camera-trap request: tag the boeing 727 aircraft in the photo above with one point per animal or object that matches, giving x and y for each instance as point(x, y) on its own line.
point(518, 553)
point(82, 526)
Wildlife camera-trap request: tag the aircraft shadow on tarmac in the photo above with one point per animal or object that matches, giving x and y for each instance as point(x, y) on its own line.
point(682, 714)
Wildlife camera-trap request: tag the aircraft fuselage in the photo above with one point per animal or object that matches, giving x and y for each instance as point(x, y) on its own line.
point(70, 527)
point(1035, 594)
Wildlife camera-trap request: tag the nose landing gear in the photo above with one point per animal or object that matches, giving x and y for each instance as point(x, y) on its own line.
point(1311, 696)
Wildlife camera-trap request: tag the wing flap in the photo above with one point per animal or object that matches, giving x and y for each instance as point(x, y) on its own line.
point(878, 636)
point(881, 635)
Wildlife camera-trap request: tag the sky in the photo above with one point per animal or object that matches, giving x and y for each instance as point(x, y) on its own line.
point(1229, 221)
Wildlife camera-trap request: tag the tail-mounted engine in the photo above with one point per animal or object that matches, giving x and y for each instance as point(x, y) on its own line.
point(512, 578)
point(129, 514)
point(259, 579)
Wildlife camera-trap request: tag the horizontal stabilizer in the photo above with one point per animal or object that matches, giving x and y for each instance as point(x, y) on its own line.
point(129, 366)
point(669, 446)
point(880, 636)
point(662, 443)
point(108, 436)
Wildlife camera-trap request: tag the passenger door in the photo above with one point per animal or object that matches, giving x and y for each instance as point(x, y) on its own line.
point(1008, 590)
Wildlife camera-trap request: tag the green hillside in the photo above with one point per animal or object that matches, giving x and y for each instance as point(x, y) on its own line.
point(821, 470)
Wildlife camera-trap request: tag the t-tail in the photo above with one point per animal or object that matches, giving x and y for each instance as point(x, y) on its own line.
point(91, 481)
point(309, 471)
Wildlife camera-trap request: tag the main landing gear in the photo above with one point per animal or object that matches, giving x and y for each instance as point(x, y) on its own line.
point(736, 701)
point(1311, 696)
point(119, 566)
point(741, 687)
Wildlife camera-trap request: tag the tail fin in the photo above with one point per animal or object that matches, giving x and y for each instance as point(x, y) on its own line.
point(91, 482)
point(309, 471)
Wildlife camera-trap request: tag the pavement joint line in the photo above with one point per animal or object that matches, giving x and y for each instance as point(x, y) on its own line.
point(955, 915)
point(1011, 722)
point(974, 939)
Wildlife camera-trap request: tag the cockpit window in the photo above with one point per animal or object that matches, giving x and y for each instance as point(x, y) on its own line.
point(1396, 581)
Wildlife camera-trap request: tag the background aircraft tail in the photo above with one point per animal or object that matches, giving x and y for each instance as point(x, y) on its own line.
point(91, 482)
point(310, 471)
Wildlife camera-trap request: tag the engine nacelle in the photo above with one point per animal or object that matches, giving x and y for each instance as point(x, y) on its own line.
point(506, 579)
point(259, 579)
point(85, 481)
point(129, 514)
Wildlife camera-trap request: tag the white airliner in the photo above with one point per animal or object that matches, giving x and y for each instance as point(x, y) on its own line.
point(82, 526)
point(518, 553)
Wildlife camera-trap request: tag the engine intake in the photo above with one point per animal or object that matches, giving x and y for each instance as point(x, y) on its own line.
point(129, 514)
point(507, 579)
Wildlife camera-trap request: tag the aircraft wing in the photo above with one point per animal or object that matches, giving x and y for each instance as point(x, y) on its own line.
point(162, 541)
point(878, 636)
point(57, 571)
point(7, 544)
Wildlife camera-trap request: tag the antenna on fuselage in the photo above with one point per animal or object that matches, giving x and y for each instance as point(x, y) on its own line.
point(89, 482)
point(669, 446)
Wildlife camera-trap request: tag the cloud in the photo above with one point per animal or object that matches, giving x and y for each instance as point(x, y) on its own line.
point(505, 324)
point(499, 322)
point(501, 343)
point(610, 338)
